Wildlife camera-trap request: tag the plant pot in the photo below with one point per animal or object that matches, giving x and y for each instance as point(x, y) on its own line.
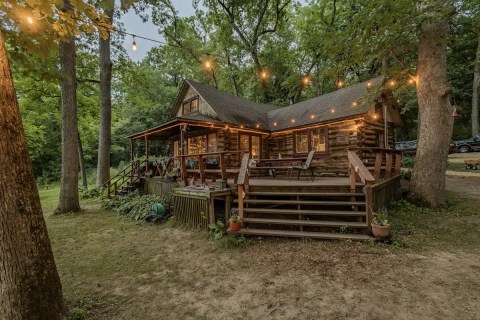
point(234, 226)
point(381, 232)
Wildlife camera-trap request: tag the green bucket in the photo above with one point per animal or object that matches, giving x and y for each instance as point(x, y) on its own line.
point(158, 209)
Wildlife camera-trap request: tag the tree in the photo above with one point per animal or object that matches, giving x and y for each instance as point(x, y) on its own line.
point(69, 201)
point(436, 123)
point(105, 127)
point(476, 90)
point(30, 287)
point(29, 284)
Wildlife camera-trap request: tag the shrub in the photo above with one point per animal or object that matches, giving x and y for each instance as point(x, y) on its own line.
point(134, 207)
point(91, 193)
point(408, 161)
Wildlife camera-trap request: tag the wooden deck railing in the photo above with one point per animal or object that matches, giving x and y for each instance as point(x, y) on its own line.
point(383, 185)
point(201, 157)
point(242, 183)
point(125, 177)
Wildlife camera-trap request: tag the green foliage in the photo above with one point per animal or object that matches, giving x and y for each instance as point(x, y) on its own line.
point(77, 313)
point(217, 229)
point(408, 161)
point(91, 193)
point(133, 206)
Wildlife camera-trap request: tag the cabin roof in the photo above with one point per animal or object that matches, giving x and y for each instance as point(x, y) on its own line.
point(233, 109)
point(342, 103)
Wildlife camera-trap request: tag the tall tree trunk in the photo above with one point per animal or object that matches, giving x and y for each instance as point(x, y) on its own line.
point(81, 160)
point(29, 284)
point(476, 92)
point(436, 123)
point(105, 130)
point(68, 201)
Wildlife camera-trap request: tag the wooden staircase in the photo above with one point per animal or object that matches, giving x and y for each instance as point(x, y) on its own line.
point(125, 181)
point(291, 211)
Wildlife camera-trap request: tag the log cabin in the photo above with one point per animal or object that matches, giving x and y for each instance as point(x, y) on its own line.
point(212, 134)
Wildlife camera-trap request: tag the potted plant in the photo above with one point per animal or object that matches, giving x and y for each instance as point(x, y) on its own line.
point(234, 220)
point(381, 228)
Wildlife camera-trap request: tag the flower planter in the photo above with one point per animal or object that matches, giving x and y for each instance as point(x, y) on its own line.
point(381, 232)
point(234, 226)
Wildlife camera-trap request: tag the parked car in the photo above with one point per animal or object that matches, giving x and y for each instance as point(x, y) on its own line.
point(410, 147)
point(468, 145)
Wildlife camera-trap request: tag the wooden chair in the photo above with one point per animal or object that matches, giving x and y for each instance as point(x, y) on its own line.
point(307, 165)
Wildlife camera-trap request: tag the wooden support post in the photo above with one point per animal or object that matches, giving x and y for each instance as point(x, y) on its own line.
point(182, 151)
point(132, 150)
point(388, 165)
point(147, 162)
point(353, 178)
point(240, 203)
point(369, 205)
point(398, 163)
point(201, 167)
point(223, 166)
point(183, 167)
point(378, 166)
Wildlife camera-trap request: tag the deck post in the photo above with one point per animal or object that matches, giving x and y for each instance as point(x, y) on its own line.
point(369, 205)
point(183, 166)
point(352, 178)
point(201, 167)
point(388, 165)
point(378, 165)
point(398, 163)
point(147, 164)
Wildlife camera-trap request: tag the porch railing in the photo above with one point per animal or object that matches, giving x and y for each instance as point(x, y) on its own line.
point(202, 171)
point(381, 186)
point(126, 177)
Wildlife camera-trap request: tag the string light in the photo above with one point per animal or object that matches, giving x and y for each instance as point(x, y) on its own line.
point(134, 44)
point(241, 127)
point(293, 120)
point(411, 80)
point(264, 74)
point(312, 116)
point(257, 126)
point(355, 103)
point(207, 64)
point(275, 124)
point(398, 100)
point(30, 20)
point(369, 84)
point(332, 110)
point(375, 117)
point(392, 83)
point(340, 83)
point(306, 80)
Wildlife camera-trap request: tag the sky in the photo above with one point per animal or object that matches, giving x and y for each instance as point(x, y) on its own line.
point(133, 24)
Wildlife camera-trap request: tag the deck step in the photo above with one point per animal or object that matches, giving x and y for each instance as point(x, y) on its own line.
point(306, 194)
point(304, 202)
point(300, 234)
point(307, 212)
point(311, 223)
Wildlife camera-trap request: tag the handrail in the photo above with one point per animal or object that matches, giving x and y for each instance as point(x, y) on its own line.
point(126, 174)
point(375, 149)
point(242, 184)
point(358, 167)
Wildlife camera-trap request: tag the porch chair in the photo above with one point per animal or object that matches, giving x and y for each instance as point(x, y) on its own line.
point(307, 165)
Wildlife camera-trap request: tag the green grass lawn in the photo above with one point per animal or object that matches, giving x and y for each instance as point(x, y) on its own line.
point(113, 268)
point(460, 167)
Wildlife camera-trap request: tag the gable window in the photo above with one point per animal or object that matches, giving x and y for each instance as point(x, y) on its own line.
point(308, 140)
point(190, 106)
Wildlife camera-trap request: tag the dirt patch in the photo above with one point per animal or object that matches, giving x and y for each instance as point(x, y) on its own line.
point(468, 186)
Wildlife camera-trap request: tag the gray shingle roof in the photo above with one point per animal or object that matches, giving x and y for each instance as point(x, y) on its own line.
point(341, 102)
point(234, 109)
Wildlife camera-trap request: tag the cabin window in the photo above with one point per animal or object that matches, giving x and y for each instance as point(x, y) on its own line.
point(212, 142)
point(190, 106)
point(315, 139)
point(186, 108)
point(301, 142)
point(197, 145)
point(244, 142)
point(319, 140)
point(194, 105)
point(252, 144)
point(255, 147)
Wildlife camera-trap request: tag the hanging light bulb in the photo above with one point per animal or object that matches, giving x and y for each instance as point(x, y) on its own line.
point(306, 80)
point(369, 84)
point(30, 20)
point(340, 83)
point(264, 75)
point(275, 124)
point(312, 116)
point(332, 110)
point(293, 120)
point(392, 83)
point(355, 104)
point(134, 44)
point(207, 64)
point(375, 116)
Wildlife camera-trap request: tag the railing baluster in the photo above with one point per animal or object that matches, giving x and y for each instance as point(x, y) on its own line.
point(388, 165)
